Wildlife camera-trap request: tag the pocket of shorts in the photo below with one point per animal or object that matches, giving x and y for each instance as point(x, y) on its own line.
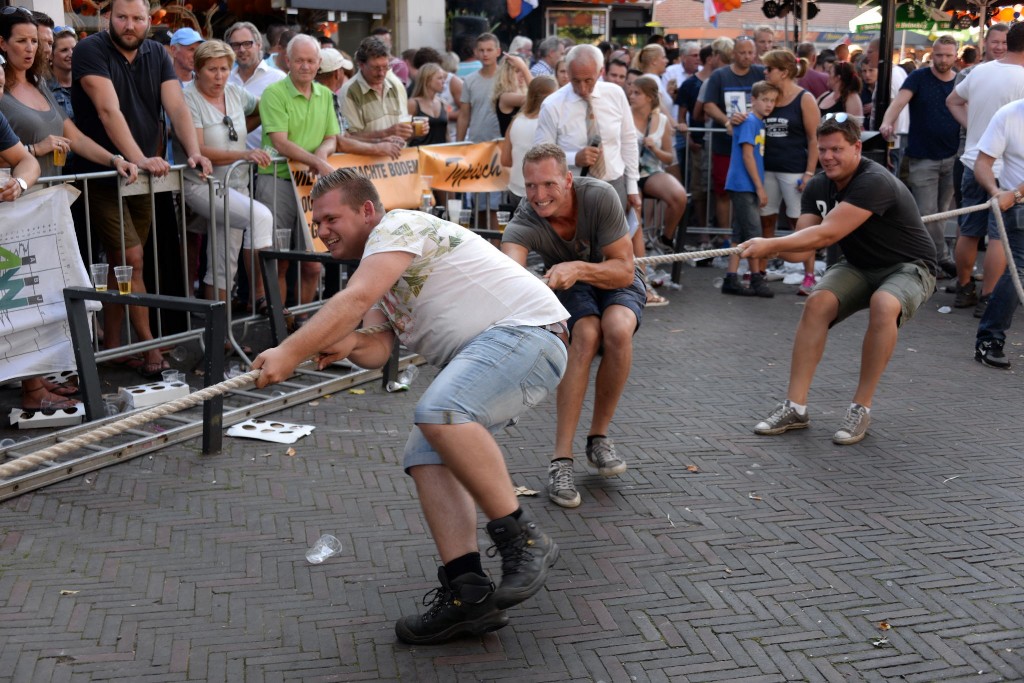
point(533, 385)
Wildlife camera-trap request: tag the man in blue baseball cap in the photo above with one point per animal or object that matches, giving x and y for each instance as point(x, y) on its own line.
point(184, 42)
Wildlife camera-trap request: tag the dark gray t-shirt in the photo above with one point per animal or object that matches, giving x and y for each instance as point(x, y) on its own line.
point(599, 222)
point(33, 126)
point(892, 234)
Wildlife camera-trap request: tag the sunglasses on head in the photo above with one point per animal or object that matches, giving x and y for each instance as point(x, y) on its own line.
point(7, 11)
point(232, 133)
point(838, 117)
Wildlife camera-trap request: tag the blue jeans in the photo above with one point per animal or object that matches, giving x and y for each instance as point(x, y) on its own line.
point(492, 379)
point(999, 313)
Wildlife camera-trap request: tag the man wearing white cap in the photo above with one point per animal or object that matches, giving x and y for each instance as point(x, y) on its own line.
point(332, 75)
point(184, 42)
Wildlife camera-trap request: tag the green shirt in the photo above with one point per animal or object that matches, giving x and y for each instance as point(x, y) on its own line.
point(283, 109)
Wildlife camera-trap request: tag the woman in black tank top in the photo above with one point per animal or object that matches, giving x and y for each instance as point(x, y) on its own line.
point(509, 91)
point(426, 101)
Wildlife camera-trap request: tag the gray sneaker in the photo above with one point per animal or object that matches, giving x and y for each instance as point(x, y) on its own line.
point(854, 427)
point(561, 487)
point(782, 419)
point(602, 457)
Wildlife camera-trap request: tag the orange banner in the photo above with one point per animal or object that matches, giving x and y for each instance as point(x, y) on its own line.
point(468, 167)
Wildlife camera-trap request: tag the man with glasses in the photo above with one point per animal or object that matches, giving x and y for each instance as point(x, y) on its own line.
point(251, 71)
point(889, 269)
point(374, 101)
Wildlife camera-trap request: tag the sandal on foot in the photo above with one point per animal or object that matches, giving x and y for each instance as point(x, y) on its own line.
point(53, 401)
point(655, 299)
point(155, 369)
point(262, 307)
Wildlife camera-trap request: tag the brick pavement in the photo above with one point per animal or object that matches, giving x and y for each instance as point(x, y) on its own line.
point(775, 562)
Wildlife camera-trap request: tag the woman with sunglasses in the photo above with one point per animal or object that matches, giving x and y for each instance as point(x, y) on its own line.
point(790, 151)
point(37, 119)
point(221, 112)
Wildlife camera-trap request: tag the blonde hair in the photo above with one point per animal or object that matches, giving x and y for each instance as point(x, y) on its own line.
point(423, 76)
point(212, 49)
point(644, 58)
point(506, 80)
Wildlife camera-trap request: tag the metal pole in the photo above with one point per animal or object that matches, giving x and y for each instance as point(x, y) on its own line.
point(885, 43)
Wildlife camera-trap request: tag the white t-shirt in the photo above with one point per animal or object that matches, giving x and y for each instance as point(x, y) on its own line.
point(456, 287)
point(238, 103)
point(1004, 138)
point(521, 134)
point(988, 87)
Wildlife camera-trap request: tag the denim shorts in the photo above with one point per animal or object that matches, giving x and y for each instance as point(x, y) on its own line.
point(492, 379)
point(746, 222)
point(911, 283)
point(977, 223)
point(582, 300)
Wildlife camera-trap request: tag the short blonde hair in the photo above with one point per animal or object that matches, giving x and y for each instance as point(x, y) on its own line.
point(213, 49)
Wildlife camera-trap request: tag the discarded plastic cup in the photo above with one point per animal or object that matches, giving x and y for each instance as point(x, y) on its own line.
point(7, 443)
point(717, 282)
point(945, 309)
point(179, 354)
point(404, 380)
point(234, 369)
point(172, 376)
point(325, 547)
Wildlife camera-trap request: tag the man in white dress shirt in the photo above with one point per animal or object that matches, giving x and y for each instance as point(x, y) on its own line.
point(250, 72)
point(612, 154)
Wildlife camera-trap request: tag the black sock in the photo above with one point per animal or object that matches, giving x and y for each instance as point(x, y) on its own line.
point(565, 459)
point(470, 562)
point(590, 439)
point(517, 514)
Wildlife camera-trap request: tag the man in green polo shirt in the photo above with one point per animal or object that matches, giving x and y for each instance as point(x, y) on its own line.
point(299, 122)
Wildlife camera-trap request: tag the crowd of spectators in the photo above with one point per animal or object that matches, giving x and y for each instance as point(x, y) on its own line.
point(639, 125)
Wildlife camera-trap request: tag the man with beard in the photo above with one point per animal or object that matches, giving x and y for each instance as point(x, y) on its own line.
point(121, 84)
point(933, 141)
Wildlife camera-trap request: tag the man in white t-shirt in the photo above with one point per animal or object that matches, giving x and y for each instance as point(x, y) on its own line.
point(1003, 140)
point(498, 335)
point(973, 103)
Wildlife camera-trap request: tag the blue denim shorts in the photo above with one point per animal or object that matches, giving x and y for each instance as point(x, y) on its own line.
point(492, 380)
point(582, 300)
point(977, 223)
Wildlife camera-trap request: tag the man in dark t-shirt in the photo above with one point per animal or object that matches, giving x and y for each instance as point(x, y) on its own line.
point(578, 227)
point(889, 268)
point(121, 84)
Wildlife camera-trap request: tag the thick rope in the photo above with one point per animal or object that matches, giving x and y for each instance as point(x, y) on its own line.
point(53, 452)
point(31, 460)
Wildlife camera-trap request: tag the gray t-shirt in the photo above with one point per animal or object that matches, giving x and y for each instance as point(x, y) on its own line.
point(483, 121)
point(599, 222)
point(32, 125)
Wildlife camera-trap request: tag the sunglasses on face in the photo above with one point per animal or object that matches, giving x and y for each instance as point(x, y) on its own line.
point(232, 133)
point(243, 45)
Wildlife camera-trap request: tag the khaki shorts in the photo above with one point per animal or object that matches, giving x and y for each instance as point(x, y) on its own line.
point(911, 283)
point(106, 219)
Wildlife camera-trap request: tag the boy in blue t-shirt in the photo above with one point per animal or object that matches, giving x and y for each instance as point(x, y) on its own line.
point(745, 185)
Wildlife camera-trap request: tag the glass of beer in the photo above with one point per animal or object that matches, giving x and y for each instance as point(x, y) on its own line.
point(99, 271)
point(419, 126)
point(503, 218)
point(60, 156)
point(466, 218)
point(123, 275)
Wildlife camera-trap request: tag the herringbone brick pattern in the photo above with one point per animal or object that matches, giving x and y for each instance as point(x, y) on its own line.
point(776, 561)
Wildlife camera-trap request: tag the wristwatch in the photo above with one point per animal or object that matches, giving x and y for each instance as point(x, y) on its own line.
point(1018, 198)
point(22, 184)
point(113, 159)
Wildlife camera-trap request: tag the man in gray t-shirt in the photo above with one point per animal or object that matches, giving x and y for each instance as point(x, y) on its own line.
point(578, 227)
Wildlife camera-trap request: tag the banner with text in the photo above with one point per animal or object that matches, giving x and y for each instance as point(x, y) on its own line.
point(463, 167)
point(39, 257)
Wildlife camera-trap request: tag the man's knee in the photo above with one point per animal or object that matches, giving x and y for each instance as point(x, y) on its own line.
point(586, 337)
point(822, 306)
point(884, 308)
point(617, 327)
